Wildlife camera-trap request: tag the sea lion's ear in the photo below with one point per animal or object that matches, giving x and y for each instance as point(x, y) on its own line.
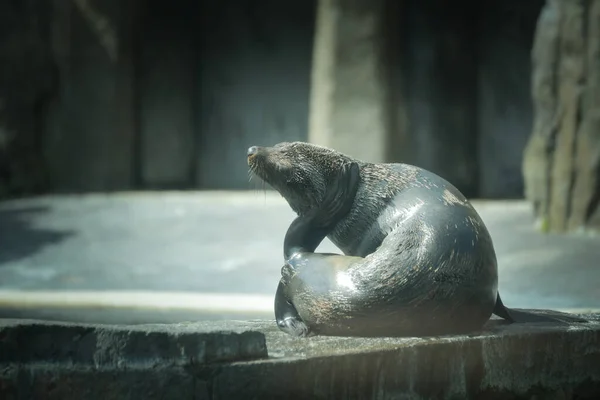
point(340, 194)
point(353, 177)
point(347, 181)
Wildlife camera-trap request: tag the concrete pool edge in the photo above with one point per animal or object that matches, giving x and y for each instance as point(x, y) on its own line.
point(252, 359)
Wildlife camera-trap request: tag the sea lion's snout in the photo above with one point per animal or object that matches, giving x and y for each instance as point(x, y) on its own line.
point(252, 152)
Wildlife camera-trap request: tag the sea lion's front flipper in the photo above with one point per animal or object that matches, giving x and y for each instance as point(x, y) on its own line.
point(522, 316)
point(306, 232)
point(286, 315)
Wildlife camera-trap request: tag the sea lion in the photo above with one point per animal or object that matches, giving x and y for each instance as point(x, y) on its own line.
point(418, 260)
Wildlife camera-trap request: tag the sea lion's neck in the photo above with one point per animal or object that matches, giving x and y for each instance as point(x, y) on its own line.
point(310, 195)
point(302, 203)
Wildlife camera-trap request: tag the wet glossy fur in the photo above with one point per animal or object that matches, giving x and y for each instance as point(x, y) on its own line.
point(418, 260)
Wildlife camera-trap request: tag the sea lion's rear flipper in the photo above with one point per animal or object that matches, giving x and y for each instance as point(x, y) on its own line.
point(522, 316)
point(501, 311)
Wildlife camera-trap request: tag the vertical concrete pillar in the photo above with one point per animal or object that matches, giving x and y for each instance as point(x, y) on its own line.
point(348, 109)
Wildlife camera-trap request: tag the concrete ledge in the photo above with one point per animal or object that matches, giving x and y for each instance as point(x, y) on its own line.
point(23, 341)
point(228, 360)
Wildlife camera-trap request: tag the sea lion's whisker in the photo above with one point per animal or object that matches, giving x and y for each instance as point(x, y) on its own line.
point(259, 185)
point(252, 183)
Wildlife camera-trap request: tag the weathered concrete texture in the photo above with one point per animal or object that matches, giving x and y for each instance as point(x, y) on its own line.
point(68, 382)
point(349, 85)
point(207, 242)
point(502, 362)
point(28, 341)
point(562, 158)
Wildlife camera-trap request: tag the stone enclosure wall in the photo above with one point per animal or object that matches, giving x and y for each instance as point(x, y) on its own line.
point(138, 94)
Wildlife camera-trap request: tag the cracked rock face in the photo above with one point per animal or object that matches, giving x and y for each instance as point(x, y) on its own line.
point(562, 158)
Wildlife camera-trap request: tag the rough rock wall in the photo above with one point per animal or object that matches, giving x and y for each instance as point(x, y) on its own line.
point(561, 164)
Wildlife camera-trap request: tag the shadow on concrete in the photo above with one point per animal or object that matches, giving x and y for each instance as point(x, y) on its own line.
point(19, 238)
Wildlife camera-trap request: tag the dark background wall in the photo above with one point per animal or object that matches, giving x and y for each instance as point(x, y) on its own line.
point(184, 87)
point(89, 121)
point(27, 80)
point(505, 112)
point(213, 78)
point(439, 68)
point(167, 66)
point(467, 74)
point(254, 83)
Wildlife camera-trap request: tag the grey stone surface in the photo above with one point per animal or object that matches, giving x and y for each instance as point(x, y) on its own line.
point(63, 382)
point(284, 346)
point(519, 361)
point(219, 242)
point(201, 242)
point(503, 362)
point(28, 341)
point(127, 315)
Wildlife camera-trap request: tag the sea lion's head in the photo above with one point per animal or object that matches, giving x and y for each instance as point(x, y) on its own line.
point(299, 171)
